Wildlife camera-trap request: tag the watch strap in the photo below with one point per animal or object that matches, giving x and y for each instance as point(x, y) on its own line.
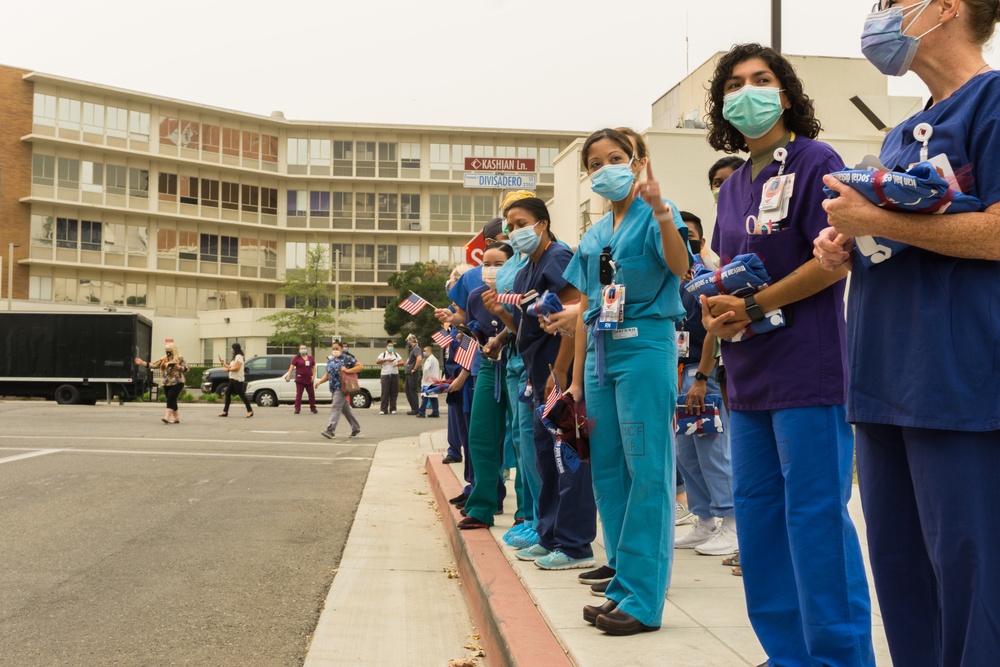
point(754, 311)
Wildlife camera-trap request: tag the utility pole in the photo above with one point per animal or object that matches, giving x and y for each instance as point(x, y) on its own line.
point(776, 25)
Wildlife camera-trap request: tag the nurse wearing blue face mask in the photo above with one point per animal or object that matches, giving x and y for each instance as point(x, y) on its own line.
point(928, 434)
point(792, 450)
point(627, 269)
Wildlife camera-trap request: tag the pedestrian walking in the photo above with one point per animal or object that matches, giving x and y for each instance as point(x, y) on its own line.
point(237, 381)
point(340, 362)
point(304, 369)
point(174, 369)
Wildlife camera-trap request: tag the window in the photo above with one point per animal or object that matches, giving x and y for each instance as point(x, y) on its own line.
point(364, 256)
point(546, 158)
point(45, 109)
point(91, 176)
point(342, 209)
point(41, 230)
point(269, 148)
point(40, 288)
point(296, 203)
point(187, 244)
point(439, 157)
point(485, 207)
point(366, 158)
point(116, 179)
point(383, 301)
point(113, 236)
point(409, 210)
point(461, 207)
point(388, 165)
point(136, 240)
point(527, 152)
point(209, 193)
point(209, 248)
point(298, 151)
point(251, 145)
point(439, 208)
point(189, 190)
point(438, 253)
point(189, 136)
point(230, 141)
point(69, 114)
point(506, 151)
point(387, 258)
point(168, 187)
point(66, 233)
point(408, 256)
point(210, 138)
point(135, 294)
point(69, 173)
point(388, 211)
point(319, 204)
point(43, 169)
point(343, 158)
point(251, 198)
point(117, 122)
point(90, 235)
point(409, 154)
point(230, 196)
point(269, 201)
point(364, 302)
point(345, 257)
point(93, 118)
point(364, 210)
point(229, 249)
point(138, 182)
point(319, 152)
point(458, 154)
point(482, 151)
point(138, 125)
point(169, 131)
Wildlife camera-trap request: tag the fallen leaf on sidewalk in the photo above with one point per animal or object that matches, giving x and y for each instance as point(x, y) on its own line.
point(474, 647)
point(420, 493)
point(451, 572)
point(461, 662)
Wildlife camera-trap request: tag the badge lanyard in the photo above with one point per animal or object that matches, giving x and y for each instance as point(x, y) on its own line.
point(775, 198)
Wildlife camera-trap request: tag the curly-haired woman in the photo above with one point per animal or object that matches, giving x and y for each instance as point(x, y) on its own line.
point(792, 449)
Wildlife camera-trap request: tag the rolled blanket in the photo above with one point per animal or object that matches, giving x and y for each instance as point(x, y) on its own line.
point(436, 387)
point(546, 305)
point(743, 276)
point(709, 422)
point(920, 189)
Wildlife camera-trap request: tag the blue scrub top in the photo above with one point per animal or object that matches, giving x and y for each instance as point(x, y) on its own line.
point(924, 328)
point(507, 273)
point(539, 348)
point(485, 321)
point(803, 363)
point(651, 289)
point(468, 281)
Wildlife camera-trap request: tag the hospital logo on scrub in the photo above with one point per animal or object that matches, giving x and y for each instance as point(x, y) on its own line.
point(634, 438)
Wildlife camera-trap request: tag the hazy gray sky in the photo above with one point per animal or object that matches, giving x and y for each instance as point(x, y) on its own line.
point(546, 64)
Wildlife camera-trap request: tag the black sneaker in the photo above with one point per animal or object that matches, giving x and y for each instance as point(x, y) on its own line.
point(420, 416)
point(597, 590)
point(598, 576)
point(327, 434)
point(450, 459)
point(355, 433)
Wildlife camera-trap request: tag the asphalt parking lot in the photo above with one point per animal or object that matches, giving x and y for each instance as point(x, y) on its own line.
point(210, 542)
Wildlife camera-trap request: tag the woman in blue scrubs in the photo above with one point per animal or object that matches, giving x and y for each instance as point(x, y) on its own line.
point(924, 347)
point(625, 374)
point(792, 450)
point(567, 517)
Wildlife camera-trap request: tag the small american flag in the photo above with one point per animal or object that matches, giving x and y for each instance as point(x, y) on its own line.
point(466, 352)
point(553, 397)
point(510, 299)
point(413, 304)
point(442, 338)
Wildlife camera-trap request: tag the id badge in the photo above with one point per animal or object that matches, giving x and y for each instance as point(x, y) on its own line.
point(612, 307)
point(683, 343)
point(774, 203)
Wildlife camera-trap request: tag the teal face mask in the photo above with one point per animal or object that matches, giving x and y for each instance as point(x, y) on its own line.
point(613, 181)
point(753, 110)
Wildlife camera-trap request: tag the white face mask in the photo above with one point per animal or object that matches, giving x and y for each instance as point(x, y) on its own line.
point(336, 353)
point(490, 276)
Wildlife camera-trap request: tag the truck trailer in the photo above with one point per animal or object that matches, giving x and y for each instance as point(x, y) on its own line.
point(74, 357)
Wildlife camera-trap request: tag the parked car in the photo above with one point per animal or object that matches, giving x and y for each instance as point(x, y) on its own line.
point(216, 380)
point(274, 391)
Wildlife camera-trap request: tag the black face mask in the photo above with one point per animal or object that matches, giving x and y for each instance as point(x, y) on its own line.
point(695, 247)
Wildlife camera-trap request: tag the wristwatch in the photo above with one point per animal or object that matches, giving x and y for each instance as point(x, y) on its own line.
point(698, 375)
point(754, 311)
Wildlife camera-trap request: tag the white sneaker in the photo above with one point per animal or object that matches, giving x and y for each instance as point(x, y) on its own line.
point(701, 533)
point(682, 514)
point(722, 542)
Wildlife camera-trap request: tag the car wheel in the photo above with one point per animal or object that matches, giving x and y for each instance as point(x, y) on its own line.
point(222, 389)
point(67, 394)
point(361, 400)
point(266, 398)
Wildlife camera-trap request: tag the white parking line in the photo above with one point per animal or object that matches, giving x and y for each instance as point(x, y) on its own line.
point(28, 455)
point(319, 442)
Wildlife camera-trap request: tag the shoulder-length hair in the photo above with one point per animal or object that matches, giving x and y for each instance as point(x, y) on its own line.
point(800, 118)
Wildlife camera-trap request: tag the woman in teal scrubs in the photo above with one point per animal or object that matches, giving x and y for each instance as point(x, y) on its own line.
point(629, 381)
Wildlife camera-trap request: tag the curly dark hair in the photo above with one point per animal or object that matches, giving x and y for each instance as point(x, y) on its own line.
point(800, 118)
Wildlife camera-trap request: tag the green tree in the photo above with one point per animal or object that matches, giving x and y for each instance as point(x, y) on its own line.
point(427, 281)
point(313, 316)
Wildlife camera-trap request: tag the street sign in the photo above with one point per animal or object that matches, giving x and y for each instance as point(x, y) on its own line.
point(500, 181)
point(500, 164)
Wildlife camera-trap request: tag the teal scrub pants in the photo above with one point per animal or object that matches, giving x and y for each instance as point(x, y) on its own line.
point(632, 459)
point(487, 427)
point(527, 482)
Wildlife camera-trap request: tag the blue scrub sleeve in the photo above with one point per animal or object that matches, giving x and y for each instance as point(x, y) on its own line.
point(576, 271)
point(985, 152)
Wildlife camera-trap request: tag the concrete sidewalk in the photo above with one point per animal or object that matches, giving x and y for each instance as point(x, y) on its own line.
point(704, 624)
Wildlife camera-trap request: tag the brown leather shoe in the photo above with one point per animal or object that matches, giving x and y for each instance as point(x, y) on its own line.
point(591, 612)
point(620, 624)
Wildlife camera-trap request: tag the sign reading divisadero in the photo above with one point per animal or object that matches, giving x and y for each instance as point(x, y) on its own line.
point(500, 164)
point(500, 181)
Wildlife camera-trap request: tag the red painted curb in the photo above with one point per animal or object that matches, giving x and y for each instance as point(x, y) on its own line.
point(511, 629)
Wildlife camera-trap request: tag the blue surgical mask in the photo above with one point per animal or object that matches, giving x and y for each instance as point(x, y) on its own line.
point(753, 110)
point(613, 181)
point(524, 240)
point(883, 41)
